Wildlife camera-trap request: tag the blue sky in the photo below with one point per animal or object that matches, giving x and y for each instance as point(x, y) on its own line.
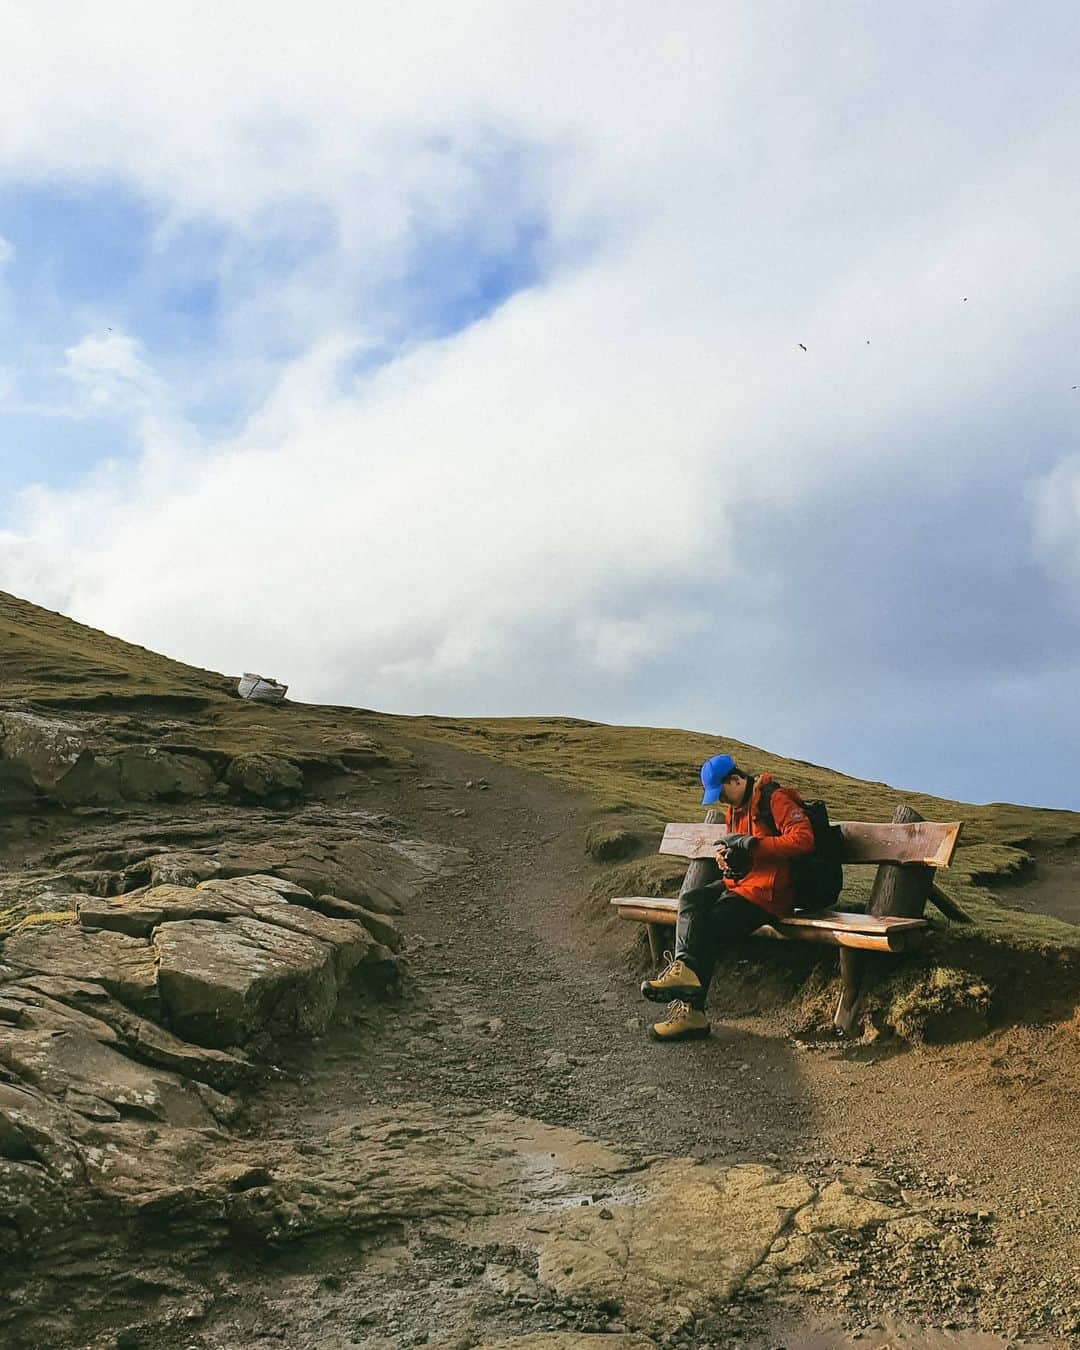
point(458, 368)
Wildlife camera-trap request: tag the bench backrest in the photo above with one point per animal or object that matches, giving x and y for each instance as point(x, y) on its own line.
point(864, 842)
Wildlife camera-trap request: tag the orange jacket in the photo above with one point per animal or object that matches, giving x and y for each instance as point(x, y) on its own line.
point(768, 883)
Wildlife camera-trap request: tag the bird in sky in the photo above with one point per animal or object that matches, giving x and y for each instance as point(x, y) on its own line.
point(803, 345)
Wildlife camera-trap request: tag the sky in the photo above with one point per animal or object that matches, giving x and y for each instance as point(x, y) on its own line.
point(710, 365)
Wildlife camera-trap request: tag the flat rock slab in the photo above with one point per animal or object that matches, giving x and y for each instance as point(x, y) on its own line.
point(25, 1008)
point(45, 749)
point(223, 983)
point(381, 874)
point(56, 1001)
point(181, 868)
point(350, 943)
point(123, 965)
point(33, 1131)
point(381, 926)
point(139, 913)
point(75, 1068)
point(274, 900)
point(256, 888)
point(571, 1340)
point(690, 1235)
point(256, 891)
point(662, 1241)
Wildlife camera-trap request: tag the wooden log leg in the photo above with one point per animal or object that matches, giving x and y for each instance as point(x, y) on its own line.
point(850, 973)
point(656, 942)
point(948, 906)
point(901, 890)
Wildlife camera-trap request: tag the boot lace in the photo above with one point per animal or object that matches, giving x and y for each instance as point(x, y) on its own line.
point(677, 1009)
point(671, 961)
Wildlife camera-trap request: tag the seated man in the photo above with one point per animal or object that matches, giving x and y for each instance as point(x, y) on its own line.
point(768, 827)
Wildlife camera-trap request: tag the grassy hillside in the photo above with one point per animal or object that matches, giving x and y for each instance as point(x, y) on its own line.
point(51, 659)
point(641, 777)
point(62, 668)
point(635, 777)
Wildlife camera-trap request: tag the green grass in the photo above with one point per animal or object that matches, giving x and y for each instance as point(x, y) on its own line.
point(49, 658)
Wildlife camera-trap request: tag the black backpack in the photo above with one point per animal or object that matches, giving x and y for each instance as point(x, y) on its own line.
point(818, 877)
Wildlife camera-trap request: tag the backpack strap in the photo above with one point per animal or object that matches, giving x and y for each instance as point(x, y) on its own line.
point(765, 814)
point(765, 796)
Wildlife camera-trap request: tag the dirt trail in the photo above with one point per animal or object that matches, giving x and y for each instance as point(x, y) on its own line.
point(509, 1007)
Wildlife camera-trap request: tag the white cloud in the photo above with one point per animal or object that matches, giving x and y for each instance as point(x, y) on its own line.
point(387, 112)
point(715, 185)
point(619, 646)
point(1055, 501)
point(109, 369)
point(399, 529)
point(7, 251)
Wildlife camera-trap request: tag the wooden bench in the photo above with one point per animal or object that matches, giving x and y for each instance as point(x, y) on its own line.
point(908, 851)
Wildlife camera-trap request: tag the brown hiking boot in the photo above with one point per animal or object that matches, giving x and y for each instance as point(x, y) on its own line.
point(676, 980)
point(682, 1023)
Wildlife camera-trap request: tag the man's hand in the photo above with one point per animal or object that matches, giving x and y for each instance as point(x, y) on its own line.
point(733, 855)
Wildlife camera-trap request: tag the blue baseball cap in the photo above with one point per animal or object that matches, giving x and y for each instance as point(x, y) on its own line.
point(713, 773)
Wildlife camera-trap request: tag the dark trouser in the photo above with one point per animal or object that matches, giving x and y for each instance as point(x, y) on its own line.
point(709, 921)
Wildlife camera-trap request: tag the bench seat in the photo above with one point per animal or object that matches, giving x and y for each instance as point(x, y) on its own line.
point(838, 927)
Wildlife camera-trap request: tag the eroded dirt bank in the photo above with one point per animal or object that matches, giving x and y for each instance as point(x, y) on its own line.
point(499, 1156)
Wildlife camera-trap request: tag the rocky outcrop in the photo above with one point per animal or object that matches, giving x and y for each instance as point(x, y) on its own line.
point(221, 983)
point(43, 758)
point(127, 1027)
point(112, 1039)
point(138, 913)
point(177, 869)
point(261, 776)
point(38, 751)
point(340, 858)
point(121, 965)
point(147, 774)
point(36, 999)
point(237, 957)
point(92, 763)
point(367, 873)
